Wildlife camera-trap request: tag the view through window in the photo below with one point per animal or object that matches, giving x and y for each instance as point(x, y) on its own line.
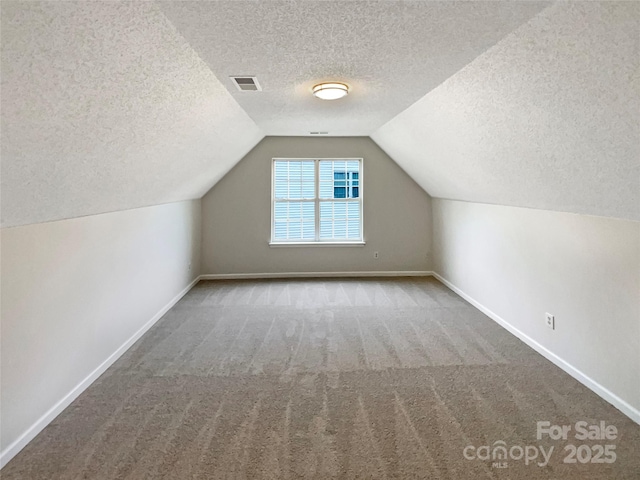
point(317, 200)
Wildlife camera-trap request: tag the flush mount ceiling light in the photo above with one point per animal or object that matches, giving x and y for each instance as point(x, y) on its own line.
point(330, 91)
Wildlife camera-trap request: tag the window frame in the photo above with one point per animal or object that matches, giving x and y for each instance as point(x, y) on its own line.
point(318, 242)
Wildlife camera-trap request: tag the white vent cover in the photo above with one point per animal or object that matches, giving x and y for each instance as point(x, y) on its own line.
point(319, 133)
point(246, 83)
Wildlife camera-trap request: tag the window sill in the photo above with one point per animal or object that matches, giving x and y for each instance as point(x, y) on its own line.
point(317, 244)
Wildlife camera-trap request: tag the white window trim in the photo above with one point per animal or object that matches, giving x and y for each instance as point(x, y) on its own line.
point(318, 242)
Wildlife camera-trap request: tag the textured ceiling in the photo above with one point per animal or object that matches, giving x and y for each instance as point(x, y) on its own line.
point(106, 107)
point(548, 118)
point(290, 45)
point(114, 105)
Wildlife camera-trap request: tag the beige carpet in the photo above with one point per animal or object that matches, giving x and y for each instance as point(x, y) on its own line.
point(322, 379)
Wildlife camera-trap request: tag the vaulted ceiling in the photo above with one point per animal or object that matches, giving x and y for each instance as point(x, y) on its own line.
point(115, 105)
point(390, 53)
point(548, 118)
point(106, 107)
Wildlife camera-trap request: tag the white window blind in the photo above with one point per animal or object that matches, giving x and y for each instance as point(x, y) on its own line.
point(317, 200)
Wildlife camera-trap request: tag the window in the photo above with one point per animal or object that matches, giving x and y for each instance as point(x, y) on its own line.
point(316, 201)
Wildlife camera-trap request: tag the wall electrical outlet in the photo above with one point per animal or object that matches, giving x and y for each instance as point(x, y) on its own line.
point(375, 255)
point(550, 321)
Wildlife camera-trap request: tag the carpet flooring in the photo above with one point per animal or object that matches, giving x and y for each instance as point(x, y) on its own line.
point(323, 379)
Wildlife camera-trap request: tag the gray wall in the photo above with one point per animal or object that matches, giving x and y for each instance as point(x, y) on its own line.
point(520, 263)
point(236, 215)
point(74, 291)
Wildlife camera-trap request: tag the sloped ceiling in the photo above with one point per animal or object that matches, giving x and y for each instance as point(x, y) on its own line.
point(391, 53)
point(548, 118)
point(106, 107)
point(114, 105)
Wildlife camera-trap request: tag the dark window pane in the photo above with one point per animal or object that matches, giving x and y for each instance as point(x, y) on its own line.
point(339, 192)
point(339, 175)
point(355, 192)
point(354, 175)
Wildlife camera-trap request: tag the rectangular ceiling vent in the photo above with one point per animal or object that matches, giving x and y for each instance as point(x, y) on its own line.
point(318, 133)
point(247, 84)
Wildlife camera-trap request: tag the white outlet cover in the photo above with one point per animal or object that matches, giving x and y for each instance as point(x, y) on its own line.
point(550, 320)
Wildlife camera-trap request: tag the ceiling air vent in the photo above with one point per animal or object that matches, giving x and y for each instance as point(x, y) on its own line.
point(318, 133)
point(246, 84)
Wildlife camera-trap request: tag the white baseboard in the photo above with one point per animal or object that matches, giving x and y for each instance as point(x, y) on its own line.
point(630, 411)
point(239, 276)
point(13, 449)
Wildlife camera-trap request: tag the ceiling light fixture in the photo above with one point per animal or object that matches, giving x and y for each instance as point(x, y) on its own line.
point(330, 91)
